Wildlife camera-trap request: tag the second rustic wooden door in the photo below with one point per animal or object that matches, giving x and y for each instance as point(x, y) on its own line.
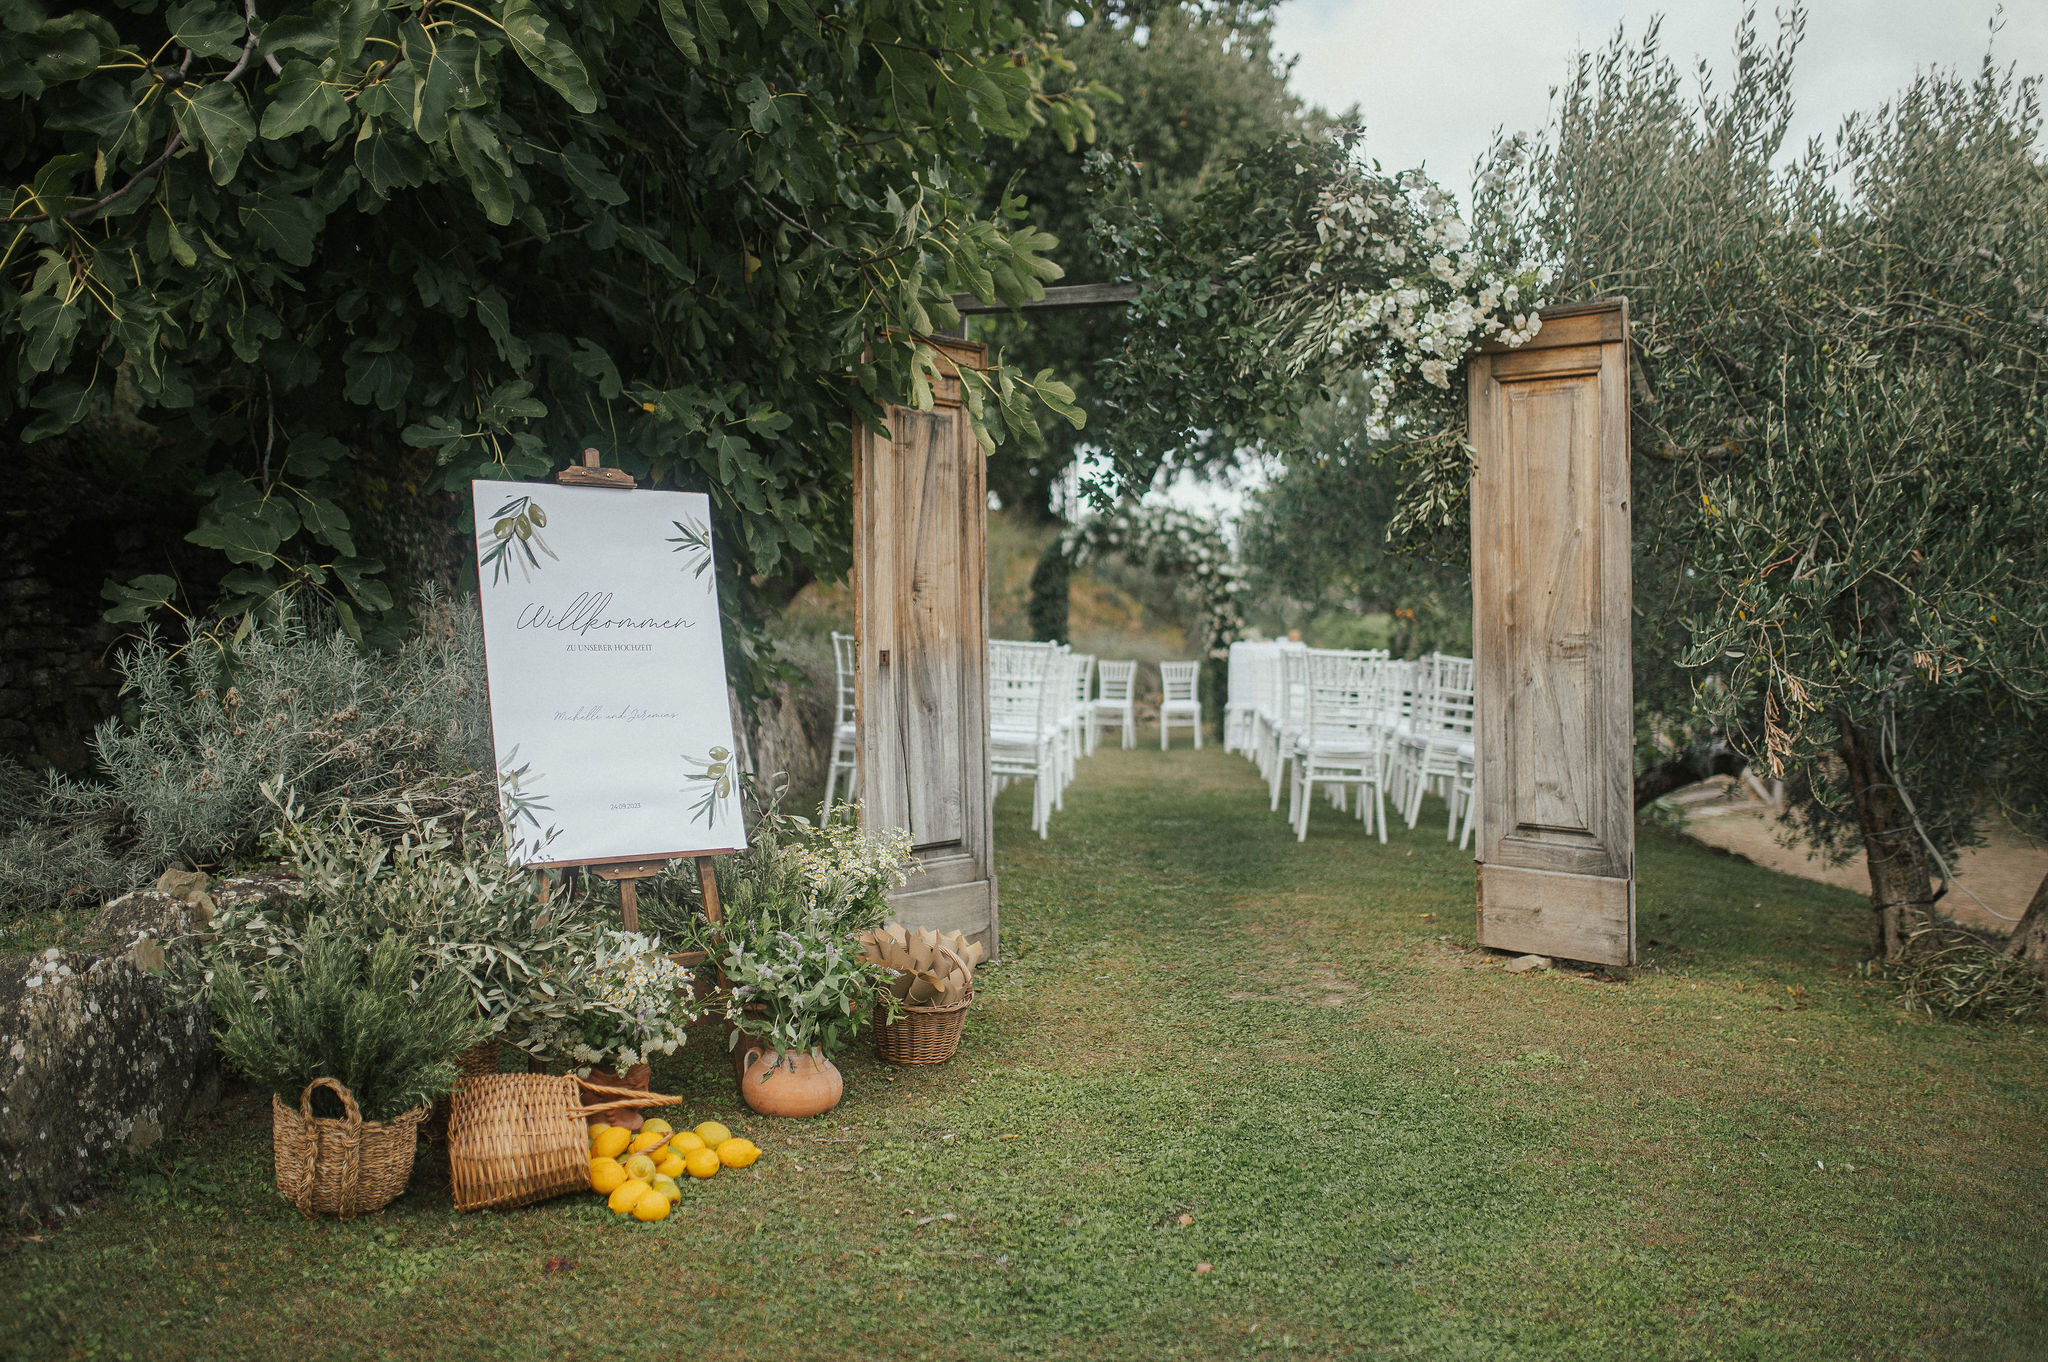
point(920, 580)
point(1551, 607)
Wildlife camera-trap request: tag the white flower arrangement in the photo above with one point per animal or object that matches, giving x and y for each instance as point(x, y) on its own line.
point(841, 856)
point(1419, 324)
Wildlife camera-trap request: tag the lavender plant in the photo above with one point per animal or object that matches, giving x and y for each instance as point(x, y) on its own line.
point(286, 706)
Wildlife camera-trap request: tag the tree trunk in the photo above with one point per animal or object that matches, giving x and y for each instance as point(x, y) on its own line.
point(1901, 887)
point(2030, 938)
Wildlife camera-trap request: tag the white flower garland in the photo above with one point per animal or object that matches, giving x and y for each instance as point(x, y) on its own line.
point(1424, 321)
point(1176, 544)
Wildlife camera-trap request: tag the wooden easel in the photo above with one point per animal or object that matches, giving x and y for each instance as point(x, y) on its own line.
point(626, 874)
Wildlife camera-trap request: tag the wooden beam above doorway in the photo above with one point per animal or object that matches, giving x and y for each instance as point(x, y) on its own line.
point(1057, 298)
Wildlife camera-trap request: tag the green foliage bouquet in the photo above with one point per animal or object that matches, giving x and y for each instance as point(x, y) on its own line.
point(812, 988)
point(361, 1011)
point(796, 901)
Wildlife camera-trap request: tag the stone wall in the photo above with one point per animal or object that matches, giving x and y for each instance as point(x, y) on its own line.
point(790, 731)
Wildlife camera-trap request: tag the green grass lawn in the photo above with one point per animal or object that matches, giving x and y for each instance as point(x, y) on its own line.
point(1386, 1144)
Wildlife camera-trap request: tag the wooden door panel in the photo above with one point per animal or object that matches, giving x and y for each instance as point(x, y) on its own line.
point(930, 594)
point(1551, 605)
point(1551, 636)
point(921, 626)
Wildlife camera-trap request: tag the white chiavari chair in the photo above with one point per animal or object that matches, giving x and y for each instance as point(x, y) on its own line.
point(1179, 700)
point(1282, 722)
point(1115, 702)
point(1342, 742)
point(1238, 706)
point(1023, 731)
point(1081, 733)
point(843, 732)
point(1439, 737)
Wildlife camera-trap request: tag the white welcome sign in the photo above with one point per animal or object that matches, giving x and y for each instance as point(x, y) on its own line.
point(607, 673)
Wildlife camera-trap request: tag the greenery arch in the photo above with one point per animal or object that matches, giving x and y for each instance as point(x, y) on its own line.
point(1170, 542)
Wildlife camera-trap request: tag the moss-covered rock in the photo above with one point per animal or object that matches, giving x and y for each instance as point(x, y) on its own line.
point(100, 1050)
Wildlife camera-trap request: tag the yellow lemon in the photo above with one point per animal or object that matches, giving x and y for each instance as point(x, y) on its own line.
point(598, 1126)
point(653, 1206)
point(713, 1134)
point(625, 1195)
point(672, 1166)
point(641, 1167)
point(658, 1127)
point(605, 1176)
point(643, 1142)
point(701, 1163)
point(737, 1153)
point(686, 1142)
point(667, 1186)
point(610, 1142)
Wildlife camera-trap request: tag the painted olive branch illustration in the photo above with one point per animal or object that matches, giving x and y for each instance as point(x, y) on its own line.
point(514, 535)
point(718, 782)
point(694, 540)
point(518, 803)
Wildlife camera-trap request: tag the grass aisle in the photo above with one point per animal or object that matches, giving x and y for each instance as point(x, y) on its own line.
point(1386, 1145)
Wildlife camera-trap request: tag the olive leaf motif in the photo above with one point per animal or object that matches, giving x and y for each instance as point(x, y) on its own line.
point(519, 803)
point(513, 536)
point(717, 777)
point(694, 541)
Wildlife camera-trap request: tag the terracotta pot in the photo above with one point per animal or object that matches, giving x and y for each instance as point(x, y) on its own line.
point(739, 1051)
point(639, 1076)
point(800, 1085)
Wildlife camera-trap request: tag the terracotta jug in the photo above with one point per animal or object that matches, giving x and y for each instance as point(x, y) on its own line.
point(799, 1085)
point(639, 1076)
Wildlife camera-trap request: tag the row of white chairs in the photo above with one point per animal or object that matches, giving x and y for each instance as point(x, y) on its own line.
point(1036, 721)
point(1355, 723)
point(1048, 707)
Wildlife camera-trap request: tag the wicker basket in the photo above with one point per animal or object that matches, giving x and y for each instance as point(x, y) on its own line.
point(345, 1166)
point(478, 1059)
point(515, 1139)
point(923, 1035)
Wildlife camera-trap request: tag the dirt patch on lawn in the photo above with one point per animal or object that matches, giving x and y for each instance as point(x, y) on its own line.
point(2004, 873)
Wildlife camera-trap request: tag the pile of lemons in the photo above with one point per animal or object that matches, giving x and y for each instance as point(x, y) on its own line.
point(636, 1172)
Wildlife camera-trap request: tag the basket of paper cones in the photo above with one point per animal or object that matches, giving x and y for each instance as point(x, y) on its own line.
point(931, 988)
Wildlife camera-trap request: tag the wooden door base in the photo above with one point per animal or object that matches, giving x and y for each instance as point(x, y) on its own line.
point(969, 907)
point(1549, 912)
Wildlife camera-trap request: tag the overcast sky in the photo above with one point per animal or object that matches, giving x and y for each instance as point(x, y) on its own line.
point(1434, 80)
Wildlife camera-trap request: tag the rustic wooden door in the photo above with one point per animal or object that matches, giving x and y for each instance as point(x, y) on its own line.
point(920, 581)
point(1550, 638)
